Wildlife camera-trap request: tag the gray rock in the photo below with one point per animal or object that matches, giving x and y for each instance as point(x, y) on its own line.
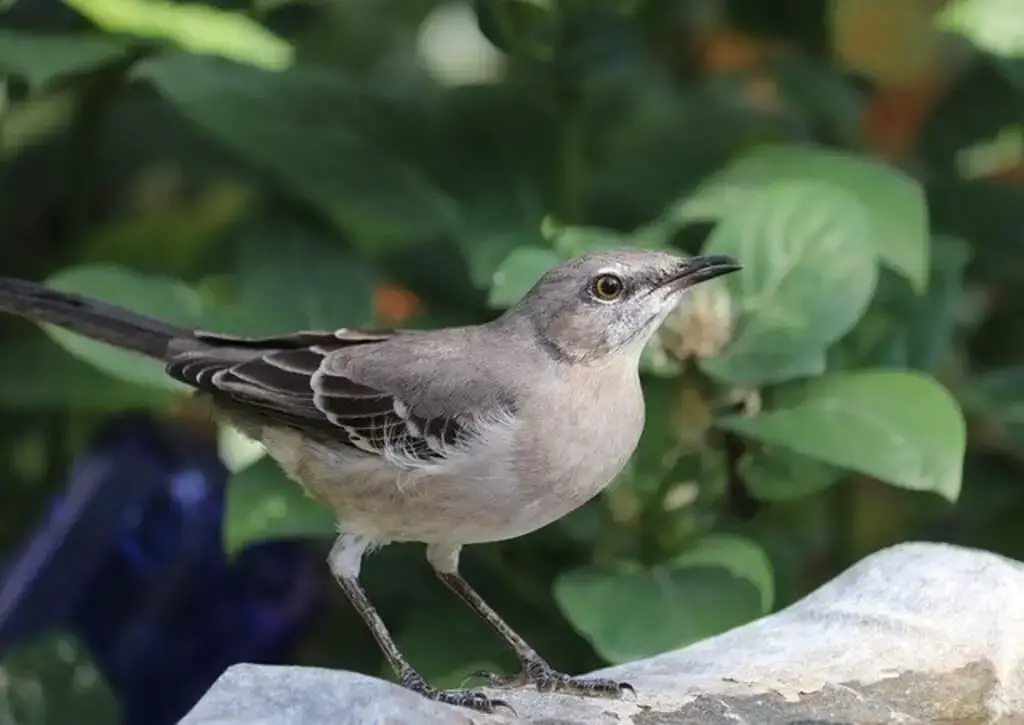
point(918, 633)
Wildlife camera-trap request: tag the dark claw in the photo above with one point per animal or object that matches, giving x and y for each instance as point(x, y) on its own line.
point(472, 699)
point(502, 703)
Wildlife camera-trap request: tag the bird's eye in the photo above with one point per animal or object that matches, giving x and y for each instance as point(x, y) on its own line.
point(607, 287)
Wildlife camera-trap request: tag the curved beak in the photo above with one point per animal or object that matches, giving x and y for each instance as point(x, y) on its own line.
point(699, 269)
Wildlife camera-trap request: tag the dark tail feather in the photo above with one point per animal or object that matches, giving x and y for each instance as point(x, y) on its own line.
point(92, 318)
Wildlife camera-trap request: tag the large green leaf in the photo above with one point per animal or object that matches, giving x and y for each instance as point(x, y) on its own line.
point(808, 274)
point(901, 427)
point(291, 277)
point(192, 26)
point(894, 202)
point(627, 612)
point(333, 141)
point(51, 680)
point(264, 505)
point(40, 59)
point(160, 297)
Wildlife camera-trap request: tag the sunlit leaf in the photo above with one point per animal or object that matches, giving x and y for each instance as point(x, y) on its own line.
point(893, 202)
point(808, 274)
point(191, 26)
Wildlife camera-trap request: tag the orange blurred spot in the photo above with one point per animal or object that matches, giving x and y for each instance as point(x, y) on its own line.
point(393, 304)
point(723, 52)
point(893, 119)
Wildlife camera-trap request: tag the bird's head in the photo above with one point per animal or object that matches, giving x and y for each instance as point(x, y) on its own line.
point(611, 301)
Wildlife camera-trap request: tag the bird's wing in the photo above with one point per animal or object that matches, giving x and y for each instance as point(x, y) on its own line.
point(290, 381)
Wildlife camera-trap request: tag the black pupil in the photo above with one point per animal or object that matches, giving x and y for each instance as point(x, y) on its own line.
point(609, 286)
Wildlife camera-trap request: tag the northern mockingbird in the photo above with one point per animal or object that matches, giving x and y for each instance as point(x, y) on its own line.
point(449, 437)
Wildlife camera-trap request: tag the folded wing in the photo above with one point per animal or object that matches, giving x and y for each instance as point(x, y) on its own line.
point(285, 381)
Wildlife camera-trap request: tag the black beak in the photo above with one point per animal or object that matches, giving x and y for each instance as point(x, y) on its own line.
point(702, 268)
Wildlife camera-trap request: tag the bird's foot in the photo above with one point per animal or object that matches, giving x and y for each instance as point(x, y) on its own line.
point(541, 675)
point(473, 699)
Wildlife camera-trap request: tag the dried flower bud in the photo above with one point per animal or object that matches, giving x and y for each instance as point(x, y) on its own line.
point(701, 325)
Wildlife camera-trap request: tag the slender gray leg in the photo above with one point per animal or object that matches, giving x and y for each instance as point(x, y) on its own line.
point(345, 560)
point(445, 562)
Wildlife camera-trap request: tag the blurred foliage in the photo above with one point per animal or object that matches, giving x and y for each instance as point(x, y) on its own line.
point(53, 680)
point(258, 168)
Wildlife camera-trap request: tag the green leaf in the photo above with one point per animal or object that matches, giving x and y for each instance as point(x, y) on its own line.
point(877, 340)
point(40, 59)
point(743, 558)
point(518, 273)
point(904, 329)
point(36, 373)
point(933, 317)
point(627, 613)
point(160, 297)
point(779, 474)
point(51, 680)
point(526, 29)
point(809, 273)
point(900, 427)
point(191, 26)
point(263, 504)
point(894, 201)
point(289, 278)
point(336, 143)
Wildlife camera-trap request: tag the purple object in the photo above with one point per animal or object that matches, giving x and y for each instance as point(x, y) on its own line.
point(130, 559)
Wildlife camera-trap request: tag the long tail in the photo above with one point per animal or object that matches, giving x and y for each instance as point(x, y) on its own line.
point(92, 318)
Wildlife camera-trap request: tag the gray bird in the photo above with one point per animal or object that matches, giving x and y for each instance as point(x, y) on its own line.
point(448, 437)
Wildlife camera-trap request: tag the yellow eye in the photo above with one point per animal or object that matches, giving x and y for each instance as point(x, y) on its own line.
point(607, 287)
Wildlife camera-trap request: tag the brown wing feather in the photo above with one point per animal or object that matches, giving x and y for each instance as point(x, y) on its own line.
point(283, 381)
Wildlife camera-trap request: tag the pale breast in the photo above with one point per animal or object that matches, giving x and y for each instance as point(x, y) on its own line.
point(560, 451)
point(579, 446)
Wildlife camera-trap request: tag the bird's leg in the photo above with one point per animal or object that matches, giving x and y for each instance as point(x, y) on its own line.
point(345, 560)
point(445, 561)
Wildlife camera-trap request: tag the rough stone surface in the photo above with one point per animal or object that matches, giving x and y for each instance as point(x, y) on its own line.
point(918, 633)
